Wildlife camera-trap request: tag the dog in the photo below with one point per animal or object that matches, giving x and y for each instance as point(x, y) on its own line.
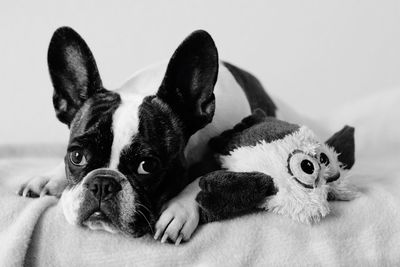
point(135, 154)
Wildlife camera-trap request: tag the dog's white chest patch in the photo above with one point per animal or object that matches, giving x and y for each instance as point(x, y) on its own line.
point(125, 125)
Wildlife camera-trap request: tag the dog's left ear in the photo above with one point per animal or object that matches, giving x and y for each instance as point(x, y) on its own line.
point(189, 81)
point(343, 143)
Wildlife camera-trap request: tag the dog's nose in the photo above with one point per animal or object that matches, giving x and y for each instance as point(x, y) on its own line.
point(103, 188)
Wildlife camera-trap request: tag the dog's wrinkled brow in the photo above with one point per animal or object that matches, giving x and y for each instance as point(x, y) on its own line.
point(82, 140)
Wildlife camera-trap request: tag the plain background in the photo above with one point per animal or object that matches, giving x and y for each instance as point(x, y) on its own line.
point(314, 55)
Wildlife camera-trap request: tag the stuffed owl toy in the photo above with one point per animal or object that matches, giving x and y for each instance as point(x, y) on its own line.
point(272, 165)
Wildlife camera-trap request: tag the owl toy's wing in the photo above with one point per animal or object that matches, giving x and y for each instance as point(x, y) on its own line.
point(222, 143)
point(226, 194)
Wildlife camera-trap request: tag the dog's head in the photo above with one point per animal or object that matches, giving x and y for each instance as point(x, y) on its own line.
point(125, 154)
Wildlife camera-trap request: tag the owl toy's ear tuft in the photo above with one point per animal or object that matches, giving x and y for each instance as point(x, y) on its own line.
point(343, 143)
point(257, 116)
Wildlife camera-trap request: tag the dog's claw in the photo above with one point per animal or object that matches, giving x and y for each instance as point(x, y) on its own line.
point(164, 238)
point(44, 192)
point(157, 234)
point(20, 190)
point(178, 240)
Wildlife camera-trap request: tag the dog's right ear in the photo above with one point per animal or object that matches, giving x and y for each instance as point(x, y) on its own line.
point(73, 72)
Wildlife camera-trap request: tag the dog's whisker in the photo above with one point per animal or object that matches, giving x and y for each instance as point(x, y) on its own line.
point(148, 223)
point(141, 205)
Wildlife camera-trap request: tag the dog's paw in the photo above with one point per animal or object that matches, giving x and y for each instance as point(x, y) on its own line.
point(43, 185)
point(178, 220)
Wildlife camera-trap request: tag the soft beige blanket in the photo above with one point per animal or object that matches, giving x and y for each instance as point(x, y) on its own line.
point(362, 232)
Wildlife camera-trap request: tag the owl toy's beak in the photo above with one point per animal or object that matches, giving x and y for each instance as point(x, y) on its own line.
point(333, 178)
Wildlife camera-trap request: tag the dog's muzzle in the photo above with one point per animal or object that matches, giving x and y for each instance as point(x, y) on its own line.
point(105, 200)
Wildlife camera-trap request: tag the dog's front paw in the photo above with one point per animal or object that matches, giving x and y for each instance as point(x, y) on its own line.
point(43, 185)
point(178, 220)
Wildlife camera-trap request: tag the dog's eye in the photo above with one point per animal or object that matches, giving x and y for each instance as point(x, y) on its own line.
point(323, 158)
point(148, 166)
point(77, 158)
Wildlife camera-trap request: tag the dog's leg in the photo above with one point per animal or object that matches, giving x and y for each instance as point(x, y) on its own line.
point(51, 183)
point(180, 216)
point(226, 194)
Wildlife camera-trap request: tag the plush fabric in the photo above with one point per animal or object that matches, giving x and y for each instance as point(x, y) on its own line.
point(365, 231)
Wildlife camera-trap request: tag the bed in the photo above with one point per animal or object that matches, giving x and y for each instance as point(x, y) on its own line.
point(365, 231)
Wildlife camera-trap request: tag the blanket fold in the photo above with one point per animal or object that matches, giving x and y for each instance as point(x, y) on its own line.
point(17, 223)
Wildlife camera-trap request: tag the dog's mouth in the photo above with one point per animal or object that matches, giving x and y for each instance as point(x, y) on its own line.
point(100, 220)
point(98, 215)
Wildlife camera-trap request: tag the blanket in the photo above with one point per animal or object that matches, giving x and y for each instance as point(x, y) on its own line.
point(362, 232)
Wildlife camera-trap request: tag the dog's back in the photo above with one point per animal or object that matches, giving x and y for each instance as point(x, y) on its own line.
point(237, 94)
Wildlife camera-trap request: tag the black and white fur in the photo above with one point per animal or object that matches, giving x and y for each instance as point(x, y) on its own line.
point(133, 152)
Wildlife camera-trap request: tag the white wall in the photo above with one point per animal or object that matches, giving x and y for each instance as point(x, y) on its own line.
point(313, 54)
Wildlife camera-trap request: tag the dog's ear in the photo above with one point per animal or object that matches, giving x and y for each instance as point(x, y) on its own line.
point(189, 81)
point(343, 143)
point(73, 72)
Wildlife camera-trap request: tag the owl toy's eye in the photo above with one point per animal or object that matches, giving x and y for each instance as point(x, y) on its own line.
point(307, 166)
point(323, 158)
point(304, 168)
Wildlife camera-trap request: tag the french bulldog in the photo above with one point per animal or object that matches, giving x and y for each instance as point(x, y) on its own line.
point(135, 153)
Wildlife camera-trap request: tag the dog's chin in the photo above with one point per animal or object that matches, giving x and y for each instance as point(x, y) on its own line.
point(109, 221)
point(101, 220)
point(98, 220)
